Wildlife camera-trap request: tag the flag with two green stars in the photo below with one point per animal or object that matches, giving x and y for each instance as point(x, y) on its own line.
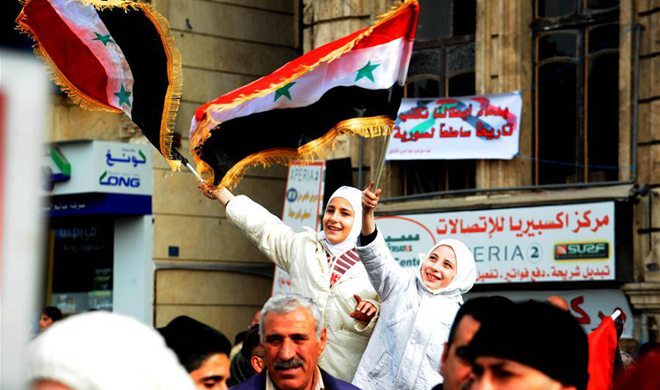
point(353, 85)
point(111, 55)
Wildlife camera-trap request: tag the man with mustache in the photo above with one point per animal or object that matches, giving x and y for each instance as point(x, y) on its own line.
point(292, 338)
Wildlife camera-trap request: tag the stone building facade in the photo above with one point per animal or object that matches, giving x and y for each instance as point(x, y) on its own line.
point(495, 46)
point(464, 48)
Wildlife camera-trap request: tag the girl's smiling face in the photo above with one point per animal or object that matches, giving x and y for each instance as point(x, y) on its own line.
point(338, 220)
point(439, 268)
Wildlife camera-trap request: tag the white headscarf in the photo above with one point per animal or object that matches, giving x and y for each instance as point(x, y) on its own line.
point(105, 351)
point(466, 271)
point(354, 197)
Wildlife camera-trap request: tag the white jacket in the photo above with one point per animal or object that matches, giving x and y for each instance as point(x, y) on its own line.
point(304, 258)
point(405, 349)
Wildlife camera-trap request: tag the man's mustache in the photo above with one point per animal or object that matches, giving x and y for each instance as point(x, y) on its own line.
point(288, 364)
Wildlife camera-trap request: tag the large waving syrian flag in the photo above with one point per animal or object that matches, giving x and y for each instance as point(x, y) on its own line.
point(111, 55)
point(352, 85)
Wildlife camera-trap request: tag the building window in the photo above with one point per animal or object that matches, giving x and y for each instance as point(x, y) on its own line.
point(80, 264)
point(442, 65)
point(576, 73)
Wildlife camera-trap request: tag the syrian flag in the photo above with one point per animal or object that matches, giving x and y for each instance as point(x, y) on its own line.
point(353, 85)
point(112, 55)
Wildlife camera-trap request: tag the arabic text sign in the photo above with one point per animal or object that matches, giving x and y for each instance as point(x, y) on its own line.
point(302, 206)
point(589, 307)
point(517, 245)
point(484, 127)
point(103, 167)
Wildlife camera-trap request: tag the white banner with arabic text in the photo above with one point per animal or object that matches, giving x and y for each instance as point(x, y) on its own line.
point(473, 127)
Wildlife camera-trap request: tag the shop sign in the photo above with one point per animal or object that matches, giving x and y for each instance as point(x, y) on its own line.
point(100, 166)
point(568, 243)
point(302, 207)
point(589, 307)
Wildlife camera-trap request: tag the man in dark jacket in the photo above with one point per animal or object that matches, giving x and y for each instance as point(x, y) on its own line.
point(293, 339)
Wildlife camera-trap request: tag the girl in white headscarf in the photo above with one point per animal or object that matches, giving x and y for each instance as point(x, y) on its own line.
point(417, 308)
point(323, 266)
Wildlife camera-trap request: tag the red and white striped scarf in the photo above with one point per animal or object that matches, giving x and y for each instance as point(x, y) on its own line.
point(341, 265)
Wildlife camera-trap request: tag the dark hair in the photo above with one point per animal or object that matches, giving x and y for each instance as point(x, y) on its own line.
point(538, 335)
point(193, 342)
point(251, 341)
point(52, 312)
point(647, 348)
point(479, 308)
point(241, 367)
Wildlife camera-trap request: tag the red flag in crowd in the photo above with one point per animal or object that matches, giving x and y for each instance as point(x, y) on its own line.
point(602, 350)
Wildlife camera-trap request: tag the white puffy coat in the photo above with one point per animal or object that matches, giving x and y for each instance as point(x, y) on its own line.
point(404, 351)
point(303, 256)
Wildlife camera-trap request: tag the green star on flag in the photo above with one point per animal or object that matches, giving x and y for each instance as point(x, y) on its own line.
point(284, 91)
point(103, 38)
point(123, 96)
point(367, 71)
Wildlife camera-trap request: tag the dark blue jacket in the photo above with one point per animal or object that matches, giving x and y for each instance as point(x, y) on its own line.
point(258, 382)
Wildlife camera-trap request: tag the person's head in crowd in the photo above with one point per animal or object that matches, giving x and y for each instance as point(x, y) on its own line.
point(448, 266)
point(249, 361)
point(293, 338)
point(559, 301)
point(49, 315)
point(255, 318)
point(103, 351)
point(342, 220)
point(455, 369)
point(532, 345)
point(202, 350)
point(627, 360)
point(648, 348)
point(643, 375)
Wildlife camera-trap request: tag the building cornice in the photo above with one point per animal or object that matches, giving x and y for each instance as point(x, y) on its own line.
point(643, 296)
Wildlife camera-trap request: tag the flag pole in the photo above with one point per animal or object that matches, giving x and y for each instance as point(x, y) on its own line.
point(381, 162)
point(178, 156)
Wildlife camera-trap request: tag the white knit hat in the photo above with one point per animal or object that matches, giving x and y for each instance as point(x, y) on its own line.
point(103, 351)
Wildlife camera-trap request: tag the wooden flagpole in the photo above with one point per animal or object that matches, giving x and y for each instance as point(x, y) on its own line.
point(381, 162)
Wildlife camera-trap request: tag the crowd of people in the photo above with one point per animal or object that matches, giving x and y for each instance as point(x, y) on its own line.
point(354, 320)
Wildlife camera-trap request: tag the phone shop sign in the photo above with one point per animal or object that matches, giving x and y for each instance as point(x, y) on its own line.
point(570, 242)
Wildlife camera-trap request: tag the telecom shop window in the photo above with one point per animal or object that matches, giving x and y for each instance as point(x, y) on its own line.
point(80, 264)
point(442, 64)
point(576, 91)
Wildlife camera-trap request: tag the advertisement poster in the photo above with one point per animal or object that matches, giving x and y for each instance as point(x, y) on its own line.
point(570, 242)
point(473, 127)
point(302, 207)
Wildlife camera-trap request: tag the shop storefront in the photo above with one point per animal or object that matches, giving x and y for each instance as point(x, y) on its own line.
point(580, 251)
point(99, 238)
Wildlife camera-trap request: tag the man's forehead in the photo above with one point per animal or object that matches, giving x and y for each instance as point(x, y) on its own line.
point(295, 321)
